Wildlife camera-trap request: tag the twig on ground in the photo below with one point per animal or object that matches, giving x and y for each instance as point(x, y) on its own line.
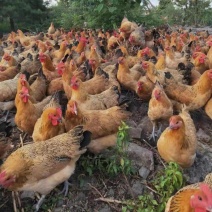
point(151, 189)
point(129, 187)
point(155, 151)
point(102, 196)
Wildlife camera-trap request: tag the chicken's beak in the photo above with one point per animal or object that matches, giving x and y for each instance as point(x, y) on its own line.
point(172, 126)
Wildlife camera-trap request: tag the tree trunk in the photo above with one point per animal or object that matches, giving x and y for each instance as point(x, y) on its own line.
point(12, 25)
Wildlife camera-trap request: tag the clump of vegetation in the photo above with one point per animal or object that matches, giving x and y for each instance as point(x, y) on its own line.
point(165, 184)
point(116, 162)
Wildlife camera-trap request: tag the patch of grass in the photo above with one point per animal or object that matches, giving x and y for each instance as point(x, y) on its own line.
point(165, 184)
point(113, 164)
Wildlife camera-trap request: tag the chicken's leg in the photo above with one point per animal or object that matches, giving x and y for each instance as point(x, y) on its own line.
point(40, 202)
point(159, 130)
point(152, 136)
point(65, 188)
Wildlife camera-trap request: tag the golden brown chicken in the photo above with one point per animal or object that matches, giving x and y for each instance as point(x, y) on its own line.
point(178, 142)
point(8, 89)
point(99, 122)
point(24, 40)
point(195, 96)
point(47, 66)
point(160, 108)
point(27, 112)
point(51, 29)
point(171, 60)
point(60, 53)
point(144, 88)
point(49, 125)
point(104, 100)
point(126, 76)
point(127, 27)
point(41, 166)
point(192, 198)
point(201, 63)
point(10, 72)
point(159, 75)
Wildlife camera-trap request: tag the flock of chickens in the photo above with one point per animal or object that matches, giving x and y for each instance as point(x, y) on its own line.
point(89, 70)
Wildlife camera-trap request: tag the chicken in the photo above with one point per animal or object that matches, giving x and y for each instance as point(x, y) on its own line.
point(10, 72)
point(159, 75)
point(130, 60)
point(208, 108)
point(55, 85)
point(51, 29)
point(160, 108)
point(126, 76)
point(8, 89)
point(161, 64)
point(201, 63)
point(31, 64)
point(60, 53)
point(94, 59)
point(127, 27)
point(144, 88)
point(194, 197)
point(50, 124)
point(27, 112)
point(22, 81)
point(195, 96)
point(81, 59)
point(81, 45)
point(178, 142)
point(10, 60)
point(38, 87)
point(171, 61)
point(41, 166)
point(104, 100)
point(137, 37)
point(37, 90)
point(112, 43)
point(99, 122)
point(47, 66)
point(24, 40)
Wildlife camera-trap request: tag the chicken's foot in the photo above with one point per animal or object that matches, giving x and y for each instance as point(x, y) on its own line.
point(40, 202)
point(65, 188)
point(153, 134)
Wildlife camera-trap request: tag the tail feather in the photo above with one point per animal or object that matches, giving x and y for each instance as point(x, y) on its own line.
point(86, 139)
point(100, 72)
point(55, 100)
point(40, 73)
point(27, 74)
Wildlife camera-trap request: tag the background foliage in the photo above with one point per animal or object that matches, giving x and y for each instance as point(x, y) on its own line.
point(30, 15)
